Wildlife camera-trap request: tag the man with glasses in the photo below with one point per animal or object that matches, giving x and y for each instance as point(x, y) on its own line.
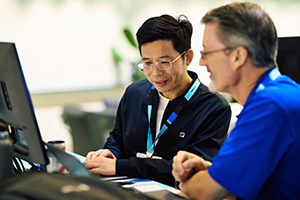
point(260, 159)
point(171, 110)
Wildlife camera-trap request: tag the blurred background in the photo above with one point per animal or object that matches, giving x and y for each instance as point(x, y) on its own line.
point(77, 53)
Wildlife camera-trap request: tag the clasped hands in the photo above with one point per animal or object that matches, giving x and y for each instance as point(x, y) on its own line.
point(186, 164)
point(101, 162)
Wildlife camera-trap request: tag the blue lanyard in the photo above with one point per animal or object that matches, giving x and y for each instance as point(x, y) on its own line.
point(172, 117)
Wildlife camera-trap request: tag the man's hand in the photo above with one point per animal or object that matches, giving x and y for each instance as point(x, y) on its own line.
point(101, 165)
point(101, 152)
point(186, 164)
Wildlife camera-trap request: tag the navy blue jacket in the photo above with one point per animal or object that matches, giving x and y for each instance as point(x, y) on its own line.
point(204, 120)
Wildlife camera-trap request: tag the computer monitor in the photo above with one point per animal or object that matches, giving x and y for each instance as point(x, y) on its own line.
point(16, 108)
point(288, 58)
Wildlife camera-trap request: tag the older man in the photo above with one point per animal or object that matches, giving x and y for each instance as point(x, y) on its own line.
point(260, 158)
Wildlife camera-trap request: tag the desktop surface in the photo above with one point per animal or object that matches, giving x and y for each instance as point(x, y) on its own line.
point(151, 188)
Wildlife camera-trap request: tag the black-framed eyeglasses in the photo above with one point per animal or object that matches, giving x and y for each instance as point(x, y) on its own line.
point(162, 65)
point(204, 53)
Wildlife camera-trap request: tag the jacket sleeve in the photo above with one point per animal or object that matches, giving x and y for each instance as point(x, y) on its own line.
point(155, 169)
point(115, 140)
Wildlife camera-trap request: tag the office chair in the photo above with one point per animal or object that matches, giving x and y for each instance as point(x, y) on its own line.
point(89, 130)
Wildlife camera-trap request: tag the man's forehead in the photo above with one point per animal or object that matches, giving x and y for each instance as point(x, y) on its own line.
point(157, 49)
point(210, 34)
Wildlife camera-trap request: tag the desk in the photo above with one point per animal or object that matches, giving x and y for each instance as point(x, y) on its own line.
point(163, 194)
point(149, 187)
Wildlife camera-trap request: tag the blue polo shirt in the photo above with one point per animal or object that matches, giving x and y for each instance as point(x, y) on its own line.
point(261, 157)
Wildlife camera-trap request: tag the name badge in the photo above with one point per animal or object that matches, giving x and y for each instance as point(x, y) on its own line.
point(143, 155)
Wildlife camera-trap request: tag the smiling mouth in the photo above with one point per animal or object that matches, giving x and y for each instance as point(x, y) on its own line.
point(209, 73)
point(160, 82)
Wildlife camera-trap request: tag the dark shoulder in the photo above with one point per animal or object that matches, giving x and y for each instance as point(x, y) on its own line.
point(206, 97)
point(204, 94)
point(139, 87)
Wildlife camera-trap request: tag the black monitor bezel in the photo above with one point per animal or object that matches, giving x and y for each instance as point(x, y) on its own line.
point(288, 58)
point(16, 108)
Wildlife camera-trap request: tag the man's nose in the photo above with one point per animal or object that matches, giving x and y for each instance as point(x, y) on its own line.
point(202, 62)
point(156, 71)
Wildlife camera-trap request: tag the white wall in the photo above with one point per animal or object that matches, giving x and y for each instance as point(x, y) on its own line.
point(66, 44)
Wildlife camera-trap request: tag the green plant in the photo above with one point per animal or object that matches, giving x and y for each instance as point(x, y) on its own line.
point(136, 73)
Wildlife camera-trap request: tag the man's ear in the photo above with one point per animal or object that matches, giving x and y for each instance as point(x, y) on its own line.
point(240, 56)
point(189, 56)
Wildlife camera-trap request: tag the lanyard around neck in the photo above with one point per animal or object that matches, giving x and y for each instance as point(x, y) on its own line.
point(171, 118)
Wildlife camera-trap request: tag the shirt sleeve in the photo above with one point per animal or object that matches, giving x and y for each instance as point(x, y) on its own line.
point(253, 149)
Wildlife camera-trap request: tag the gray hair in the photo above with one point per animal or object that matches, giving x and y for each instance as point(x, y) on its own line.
point(247, 25)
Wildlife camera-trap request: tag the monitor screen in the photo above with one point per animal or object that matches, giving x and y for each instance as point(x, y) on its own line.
point(288, 58)
point(16, 108)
